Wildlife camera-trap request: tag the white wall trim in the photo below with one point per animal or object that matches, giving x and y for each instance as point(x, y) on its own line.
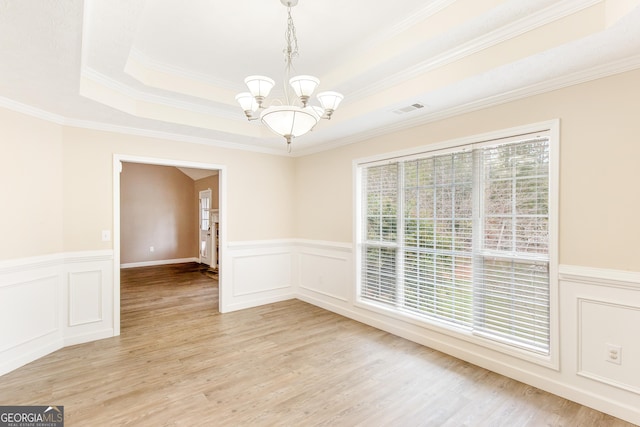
point(478, 44)
point(582, 370)
point(323, 244)
point(86, 256)
point(57, 299)
point(87, 337)
point(611, 288)
point(159, 262)
point(586, 75)
point(30, 263)
point(600, 276)
point(53, 260)
point(258, 273)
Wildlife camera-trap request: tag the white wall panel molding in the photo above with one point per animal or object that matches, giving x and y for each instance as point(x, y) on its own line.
point(600, 312)
point(49, 301)
point(20, 265)
point(29, 309)
point(606, 353)
point(85, 297)
point(88, 292)
point(260, 272)
point(600, 277)
point(88, 256)
point(324, 269)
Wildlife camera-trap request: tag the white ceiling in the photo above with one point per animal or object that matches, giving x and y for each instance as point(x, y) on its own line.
point(172, 68)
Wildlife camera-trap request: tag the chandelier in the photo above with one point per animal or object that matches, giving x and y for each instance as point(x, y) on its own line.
point(295, 116)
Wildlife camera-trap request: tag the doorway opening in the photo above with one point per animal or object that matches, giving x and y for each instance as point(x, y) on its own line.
point(213, 219)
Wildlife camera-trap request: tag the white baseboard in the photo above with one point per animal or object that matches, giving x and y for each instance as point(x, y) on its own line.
point(159, 262)
point(258, 302)
point(7, 366)
point(88, 337)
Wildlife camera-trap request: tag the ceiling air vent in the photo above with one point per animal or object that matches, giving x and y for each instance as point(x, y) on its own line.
point(409, 108)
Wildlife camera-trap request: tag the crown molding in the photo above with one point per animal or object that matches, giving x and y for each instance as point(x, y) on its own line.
point(127, 130)
point(38, 113)
point(478, 44)
point(583, 76)
point(19, 107)
point(137, 95)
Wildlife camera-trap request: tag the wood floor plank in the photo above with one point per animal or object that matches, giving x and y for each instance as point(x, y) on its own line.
point(178, 362)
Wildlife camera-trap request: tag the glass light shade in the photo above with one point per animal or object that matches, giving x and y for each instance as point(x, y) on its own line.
point(304, 85)
point(288, 120)
point(330, 100)
point(246, 101)
point(259, 85)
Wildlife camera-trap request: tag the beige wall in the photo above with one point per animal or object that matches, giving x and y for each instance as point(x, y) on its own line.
point(599, 172)
point(257, 209)
point(31, 189)
point(57, 191)
point(276, 197)
point(156, 210)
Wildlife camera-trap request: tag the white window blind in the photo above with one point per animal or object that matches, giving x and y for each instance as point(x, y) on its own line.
point(463, 238)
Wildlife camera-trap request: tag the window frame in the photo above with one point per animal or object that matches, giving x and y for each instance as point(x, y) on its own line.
point(552, 131)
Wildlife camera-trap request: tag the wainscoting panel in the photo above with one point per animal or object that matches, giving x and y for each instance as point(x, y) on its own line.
point(89, 296)
point(43, 300)
point(28, 310)
point(600, 314)
point(85, 297)
point(31, 310)
point(258, 273)
point(606, 352)
point(324, 270)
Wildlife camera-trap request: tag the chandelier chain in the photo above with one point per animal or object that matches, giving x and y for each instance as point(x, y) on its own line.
point(291, 50)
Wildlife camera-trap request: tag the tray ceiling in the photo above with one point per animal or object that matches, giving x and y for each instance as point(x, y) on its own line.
point(170, 68)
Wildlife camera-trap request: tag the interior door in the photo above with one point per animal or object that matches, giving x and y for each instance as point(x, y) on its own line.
point(205, 227)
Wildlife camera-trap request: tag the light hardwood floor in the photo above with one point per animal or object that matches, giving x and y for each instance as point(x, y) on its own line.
point(179, 362)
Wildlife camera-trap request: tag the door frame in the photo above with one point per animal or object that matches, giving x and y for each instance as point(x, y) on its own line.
point(222, 210)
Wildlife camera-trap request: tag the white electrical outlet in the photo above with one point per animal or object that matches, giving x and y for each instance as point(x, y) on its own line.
point(151, 249)
point(613, 354)
point(106, 235)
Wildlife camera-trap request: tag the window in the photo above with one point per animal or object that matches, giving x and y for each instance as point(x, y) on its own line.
point(462, 237)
